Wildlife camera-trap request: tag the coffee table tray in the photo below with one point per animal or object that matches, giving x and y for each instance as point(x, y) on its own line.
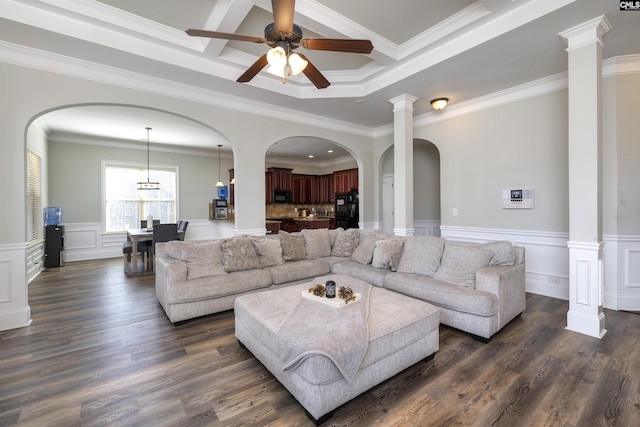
point(332, 302)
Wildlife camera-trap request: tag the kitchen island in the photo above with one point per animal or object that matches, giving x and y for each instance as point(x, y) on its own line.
point(294, 224)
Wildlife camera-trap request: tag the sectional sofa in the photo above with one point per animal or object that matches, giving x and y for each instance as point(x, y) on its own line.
point(478, 287)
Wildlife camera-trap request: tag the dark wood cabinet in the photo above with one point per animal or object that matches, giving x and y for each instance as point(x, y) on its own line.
point(268, 187)
point(231, 185)
point(325, 189)
point(276, 179)
point(298, 188)
point(281, 178)
point(345, 180)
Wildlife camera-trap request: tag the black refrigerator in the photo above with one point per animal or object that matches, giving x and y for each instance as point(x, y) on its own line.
point(53, 245)
point(346, 210)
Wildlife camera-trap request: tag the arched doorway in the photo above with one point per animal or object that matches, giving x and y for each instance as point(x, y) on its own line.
point(426, 197)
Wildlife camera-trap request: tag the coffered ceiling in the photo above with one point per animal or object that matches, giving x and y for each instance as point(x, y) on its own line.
point(460, 49)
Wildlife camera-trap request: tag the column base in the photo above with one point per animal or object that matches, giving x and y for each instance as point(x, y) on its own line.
point(592, 326)
point(403, 231)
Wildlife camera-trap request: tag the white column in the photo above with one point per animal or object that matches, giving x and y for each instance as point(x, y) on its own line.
point(249, 197)
point(403, 164)
point(585, 177)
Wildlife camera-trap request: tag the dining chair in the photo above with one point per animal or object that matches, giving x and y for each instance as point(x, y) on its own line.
point(182, 226)
point(143, 223)
point(162, 233)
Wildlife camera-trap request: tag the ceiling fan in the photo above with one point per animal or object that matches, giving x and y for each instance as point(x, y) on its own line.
point(283, 36)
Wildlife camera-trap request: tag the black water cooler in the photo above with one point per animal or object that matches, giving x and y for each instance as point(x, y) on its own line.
point(53, 246)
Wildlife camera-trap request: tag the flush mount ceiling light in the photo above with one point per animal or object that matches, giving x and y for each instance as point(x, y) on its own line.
point(219, 183)
point(439, 103)
point(148, 185)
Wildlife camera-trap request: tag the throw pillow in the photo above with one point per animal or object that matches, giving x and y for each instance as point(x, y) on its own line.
point(460, 263)
point(292, 246)
point(503, 253)
point(317, 242)
point(269, 252)
point(202, 259)
point(346, 243)
point(366, 245)
point(333, 234)
point(421, 255)
point(387, 254)
point(239, 254)
point(173, 249)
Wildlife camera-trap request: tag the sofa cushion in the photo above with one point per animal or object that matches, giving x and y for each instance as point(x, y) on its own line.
point(201, 258)
point(346, 243)
point(387, 254)
point(459, 264)
point(292, 271)
point(443, 294)
point(503, 253)
point(317, 242)
point(363, 253)
point(421, 255)
point(269, 251)
point(360, 271)
point(293, 248)
point(205, 288)
point(239, 254)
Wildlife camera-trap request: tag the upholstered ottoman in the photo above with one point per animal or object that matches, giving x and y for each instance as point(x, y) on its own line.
point(397, 332)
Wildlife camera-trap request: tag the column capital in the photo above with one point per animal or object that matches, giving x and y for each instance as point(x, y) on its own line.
point(586, 33)
point(403, 102)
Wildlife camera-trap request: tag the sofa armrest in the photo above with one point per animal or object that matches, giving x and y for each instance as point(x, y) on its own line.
point(507, 282)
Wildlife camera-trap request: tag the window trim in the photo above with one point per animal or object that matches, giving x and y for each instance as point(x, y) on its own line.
point(38, 213)
point(120, 163)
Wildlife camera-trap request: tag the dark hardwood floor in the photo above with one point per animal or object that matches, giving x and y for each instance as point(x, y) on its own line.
point(100, 352)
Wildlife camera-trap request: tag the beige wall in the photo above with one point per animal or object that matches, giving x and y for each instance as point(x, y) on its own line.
point(519, 145)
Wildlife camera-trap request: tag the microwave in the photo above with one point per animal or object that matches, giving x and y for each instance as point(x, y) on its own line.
point(282, 196)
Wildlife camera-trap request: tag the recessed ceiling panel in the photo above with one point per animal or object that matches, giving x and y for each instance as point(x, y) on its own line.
point(180, 14)
point(398, 20)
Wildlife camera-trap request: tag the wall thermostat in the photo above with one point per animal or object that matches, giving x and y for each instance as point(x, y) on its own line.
point(518, 199)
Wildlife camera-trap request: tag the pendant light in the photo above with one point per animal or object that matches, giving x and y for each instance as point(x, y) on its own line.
point(148, 185)
point(219, 183)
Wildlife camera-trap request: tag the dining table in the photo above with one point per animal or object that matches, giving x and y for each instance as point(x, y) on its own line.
point(135, 235)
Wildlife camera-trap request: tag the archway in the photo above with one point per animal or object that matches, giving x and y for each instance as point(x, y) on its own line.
point(312, 169)
point(75, 141)
point(426, 197)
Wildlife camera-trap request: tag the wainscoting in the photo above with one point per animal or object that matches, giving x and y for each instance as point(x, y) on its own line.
point(86, 241)
point(547, 263)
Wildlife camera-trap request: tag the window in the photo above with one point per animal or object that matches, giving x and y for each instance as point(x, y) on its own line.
point(125, 205)
point(34, 198)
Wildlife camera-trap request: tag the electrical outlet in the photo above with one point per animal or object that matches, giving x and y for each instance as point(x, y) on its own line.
point(455, 212)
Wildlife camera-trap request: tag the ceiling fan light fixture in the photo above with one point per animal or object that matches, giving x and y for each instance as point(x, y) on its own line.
point(277, 57)
point(439, 103)
point(297, 64)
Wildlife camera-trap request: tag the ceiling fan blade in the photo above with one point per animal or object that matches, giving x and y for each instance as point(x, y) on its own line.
point(314, 74)
point(228, 36)
point(338, 45)
point(283, 15)
point(253, 69)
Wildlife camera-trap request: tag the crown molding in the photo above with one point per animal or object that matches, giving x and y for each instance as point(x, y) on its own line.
point(59, 64)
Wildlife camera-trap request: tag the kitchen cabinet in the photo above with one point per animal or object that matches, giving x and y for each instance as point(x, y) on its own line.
point(298, 188)
point(231, 193)
point(281, 178)
point(325, 189)
point(276, 179)
point(345, 180)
